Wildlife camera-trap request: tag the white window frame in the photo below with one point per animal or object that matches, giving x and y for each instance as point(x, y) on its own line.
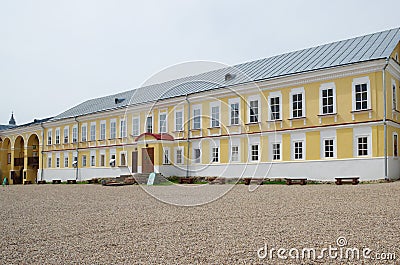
point(218, 121)
point(103, 130)
point(231, 102)
point(58, 136)
point(362, 131)
point(234, 142)
point(75, 134)
point(394, 95)
point(275, 139)
point(49, 137)
point(113, 128)
point(165, 125)
point(66, 160)
point(329, 134)
point(360, 81)
point(249, 100)
point(276, 94)
point(136, 125)
point(295, 91)
point(102, 163)
point(323, 87)
point(295, 138)
point(215, 144)
point(123, 153)
point(58, 160)
point(179, 127)
point(197, 108)
point(196, 160)
point(166, 156)
point(122, 128)
point(84, 132)
point(149, 126)
point(177, 150)
point(66, 135)
point(49, 161)
point(93, 155)
point(84, 161)
point(93, 132)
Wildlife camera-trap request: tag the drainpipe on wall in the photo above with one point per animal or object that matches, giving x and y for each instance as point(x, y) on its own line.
point(42, 153)
point(77, 150)
point(188, 138)
point(384, 119)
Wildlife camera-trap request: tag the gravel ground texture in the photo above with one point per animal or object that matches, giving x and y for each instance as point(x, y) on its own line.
point(93, 224)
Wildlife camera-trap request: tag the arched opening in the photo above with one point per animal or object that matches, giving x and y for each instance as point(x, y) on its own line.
point(5, 159)
point(18, 172)
point(33, 159)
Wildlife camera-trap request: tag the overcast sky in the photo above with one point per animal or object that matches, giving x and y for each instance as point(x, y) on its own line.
point(57, 54)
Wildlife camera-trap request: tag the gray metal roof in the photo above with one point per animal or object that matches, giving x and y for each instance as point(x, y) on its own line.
point(360, 49)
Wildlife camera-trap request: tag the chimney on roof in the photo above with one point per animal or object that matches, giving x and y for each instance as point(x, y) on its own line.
point(118, 100)
point(12, 120)
point(229, 76)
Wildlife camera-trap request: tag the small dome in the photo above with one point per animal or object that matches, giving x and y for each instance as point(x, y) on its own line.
point(12, 120)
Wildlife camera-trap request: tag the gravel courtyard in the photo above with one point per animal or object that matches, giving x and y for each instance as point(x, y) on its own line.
point(93, 224)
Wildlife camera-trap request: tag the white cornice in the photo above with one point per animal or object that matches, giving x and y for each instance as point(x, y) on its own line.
point(394, 68)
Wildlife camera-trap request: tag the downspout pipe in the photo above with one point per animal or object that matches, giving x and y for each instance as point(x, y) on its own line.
point(384, 118)
point(42, 153)
point(188, 136)
point(77, 150)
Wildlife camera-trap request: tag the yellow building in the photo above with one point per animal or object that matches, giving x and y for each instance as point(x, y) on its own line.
point(320, 113)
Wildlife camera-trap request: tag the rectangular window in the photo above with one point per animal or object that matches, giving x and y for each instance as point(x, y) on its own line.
point(163, 122)
point(235, 113)
point(196, 119)
point(57, 162)
point(149, 124)
point(84, 161)
point(197, 155)
point(276, 151)
point(66, 162)
point(135, 126)
point(84, 133)
point(8, 158)
point(395, 149)
point(327, 95)
point(102, 160)
point(329, 148)
point(49, 161)
point(361, 95)
point(297, 105)
point(178, 121)
point(113, 129)
point(166, 156)
point(58, 136)
point(123, 159)
point(49, 137)
point(215, 154)
point(235, 153)
point(298, 150)
point(275, 108)
point(253, 111)
point(362, 146)
point(103, 131)
point(66, 135)
point(93, 132)
point(122, 129)
point(254, 152)
point(394, 97)
point(92, 161)
point(179, 159)
point(215, 116)
point(74, 134)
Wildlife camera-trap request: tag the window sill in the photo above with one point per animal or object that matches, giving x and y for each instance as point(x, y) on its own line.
point(297, 118)
point(327, 115)
point(195, 129)
point(280, 120)
point(210, 128)
point(234, 125)
point(253, 123)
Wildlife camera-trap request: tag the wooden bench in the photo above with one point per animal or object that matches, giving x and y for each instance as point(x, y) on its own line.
point(56, 181)
point(299, 181)
point(215, 180)
point(41, 182)
point(349, 180)
point(27, 182)
point(71, 181)
point(93, 181)
point(186, 180)
point(258, 181)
